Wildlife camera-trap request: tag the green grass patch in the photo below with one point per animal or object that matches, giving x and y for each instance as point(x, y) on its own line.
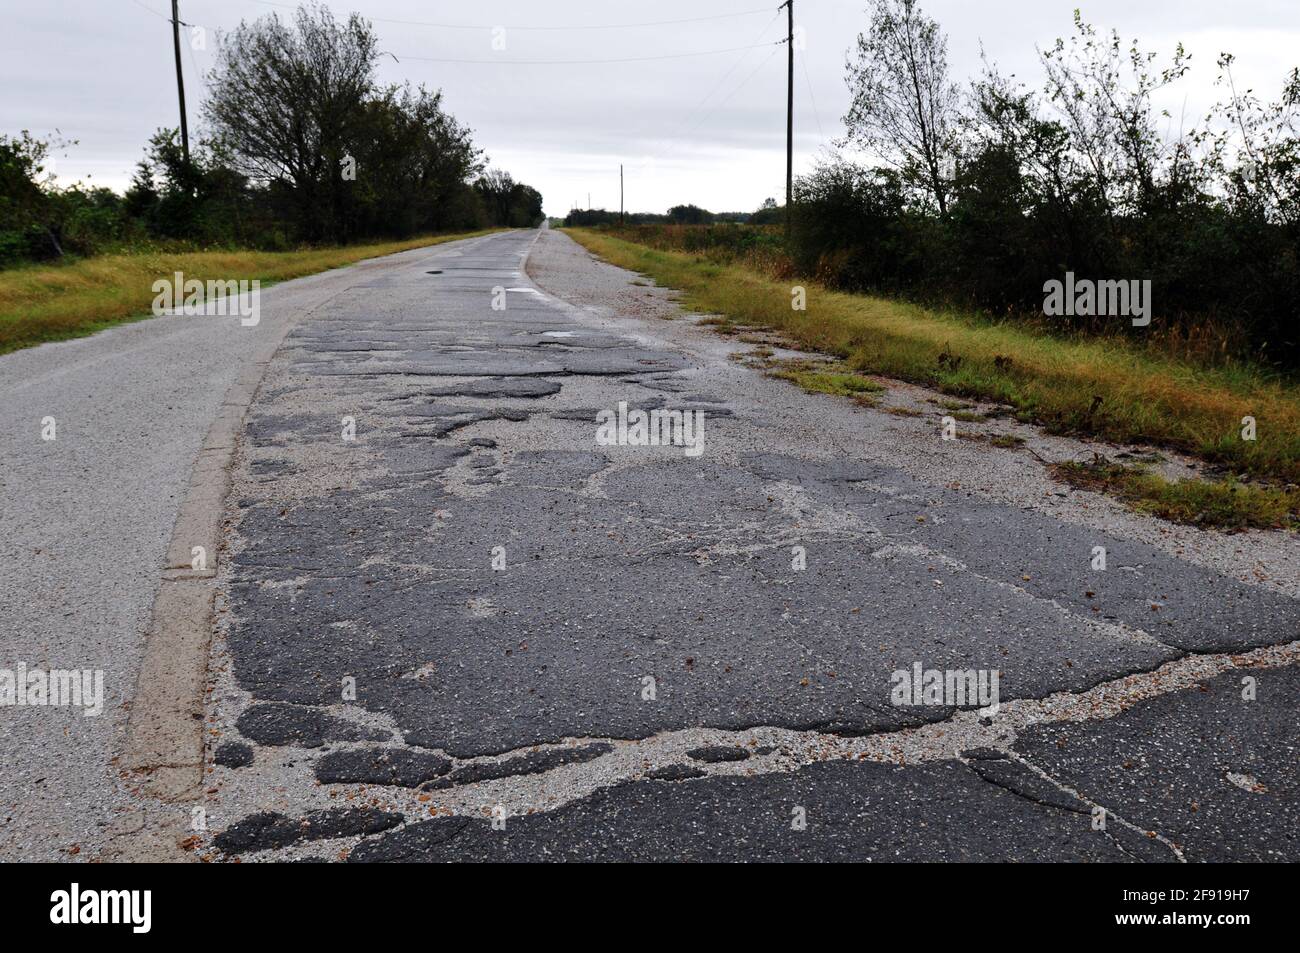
point(1098, 387)
point(40, 303)
point(1224, 504)
point(828, 381)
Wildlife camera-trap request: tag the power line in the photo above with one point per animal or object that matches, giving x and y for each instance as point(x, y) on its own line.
point(682, 125)
point(811, 98)
point(539, 29)
point(722, 102)
point(497, 61)
point(194, 62)
point(161, 16)
point(515, 62)
point(625, 59)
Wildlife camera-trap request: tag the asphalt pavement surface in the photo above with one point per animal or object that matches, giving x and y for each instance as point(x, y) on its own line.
point(457, 624)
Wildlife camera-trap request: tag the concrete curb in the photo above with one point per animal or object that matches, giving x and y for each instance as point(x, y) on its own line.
point(163, 755)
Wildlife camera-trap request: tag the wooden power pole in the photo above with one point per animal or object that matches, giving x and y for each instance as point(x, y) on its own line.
point(180, 78)
point(789, 115)
point(620, 193)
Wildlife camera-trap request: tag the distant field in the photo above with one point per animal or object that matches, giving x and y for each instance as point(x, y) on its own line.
point(40, 303)
point(1099, 387)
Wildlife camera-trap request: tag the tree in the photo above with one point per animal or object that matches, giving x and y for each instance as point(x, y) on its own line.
point(904, 109)
point(525, 206)
point(288, 102)
point(689, 215)
point(1266, 173)
point(25, 205)
point(769, 213)
point(495, 187)
point(1104, 96)
point(413, 160)
point(297, 110)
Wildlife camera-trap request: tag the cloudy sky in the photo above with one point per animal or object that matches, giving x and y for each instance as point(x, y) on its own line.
point(694, 108)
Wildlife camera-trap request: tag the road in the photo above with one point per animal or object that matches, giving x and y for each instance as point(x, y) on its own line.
point(521, 694)
point(452, 625)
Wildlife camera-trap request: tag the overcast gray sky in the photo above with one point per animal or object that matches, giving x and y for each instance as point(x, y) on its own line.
point(707, 129)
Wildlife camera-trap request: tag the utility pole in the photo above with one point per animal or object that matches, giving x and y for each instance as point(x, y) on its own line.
point(789, 116)
point(180, 78)
point(620, 193)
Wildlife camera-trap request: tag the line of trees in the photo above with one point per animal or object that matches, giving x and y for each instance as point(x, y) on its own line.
point(977, 194)
point(768, 214)
point(301, 145)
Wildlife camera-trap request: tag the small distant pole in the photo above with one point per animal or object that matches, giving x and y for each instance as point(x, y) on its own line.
point(620, 193)
point(180, 78)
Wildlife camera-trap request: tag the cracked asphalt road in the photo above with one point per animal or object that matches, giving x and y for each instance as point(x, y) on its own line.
point(454, 627)
point(85, 521)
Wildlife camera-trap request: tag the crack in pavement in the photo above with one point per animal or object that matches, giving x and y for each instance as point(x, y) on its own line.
point(773, 749)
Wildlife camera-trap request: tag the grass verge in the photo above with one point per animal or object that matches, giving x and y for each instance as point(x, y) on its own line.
point(40, 303)
point(1226, 504)
point(1102, 388)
